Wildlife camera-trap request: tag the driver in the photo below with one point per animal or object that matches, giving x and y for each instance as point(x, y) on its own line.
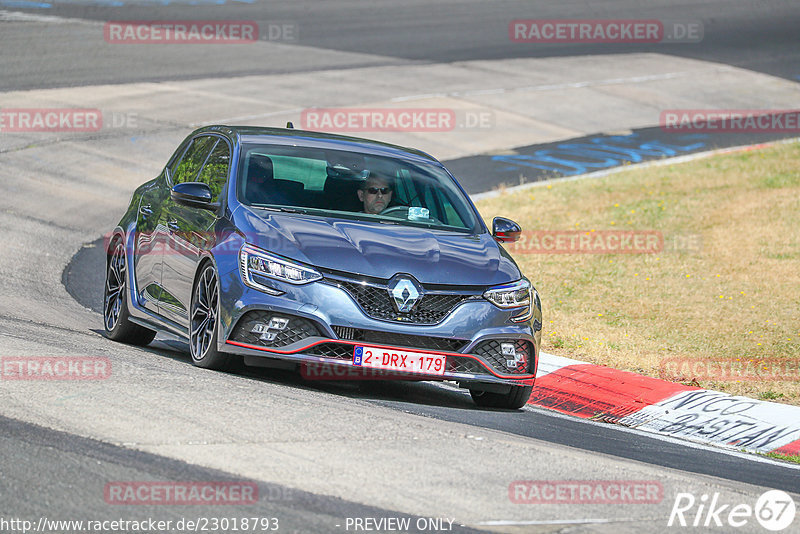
point(375, 193)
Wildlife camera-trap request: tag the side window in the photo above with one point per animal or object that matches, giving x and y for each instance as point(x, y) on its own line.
point(215, 171)
point(178, 156)
point(430, 201)
point(193, 159)
point(449, 214)
point(404, 189)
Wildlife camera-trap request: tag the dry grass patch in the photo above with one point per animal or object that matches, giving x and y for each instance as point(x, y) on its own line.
point(733, 298)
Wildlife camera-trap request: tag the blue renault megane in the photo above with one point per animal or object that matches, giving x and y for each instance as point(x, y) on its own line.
point(265, 245)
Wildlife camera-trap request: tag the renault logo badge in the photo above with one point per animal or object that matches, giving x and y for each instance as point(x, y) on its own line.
point(405, 294)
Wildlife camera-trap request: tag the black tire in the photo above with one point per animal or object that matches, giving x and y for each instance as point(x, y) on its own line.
point(116, 317)
point(204, 323)
point(513, 400)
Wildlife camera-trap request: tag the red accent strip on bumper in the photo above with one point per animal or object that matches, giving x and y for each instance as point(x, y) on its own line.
point(354, 343)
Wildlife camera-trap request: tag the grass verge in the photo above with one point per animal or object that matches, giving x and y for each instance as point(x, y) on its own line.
point(794, 458)
point(716, 304)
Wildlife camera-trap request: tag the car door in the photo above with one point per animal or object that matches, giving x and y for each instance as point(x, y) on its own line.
point(149, 241)
point(191, 230)
point(149, 244)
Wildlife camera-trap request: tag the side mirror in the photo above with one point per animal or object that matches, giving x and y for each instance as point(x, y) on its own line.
point(505, 230)
point(194, 194)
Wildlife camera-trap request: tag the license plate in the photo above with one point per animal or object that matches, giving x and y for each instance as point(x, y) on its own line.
point(406, 361)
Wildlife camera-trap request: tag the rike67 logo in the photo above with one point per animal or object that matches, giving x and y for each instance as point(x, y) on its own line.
point(774, 510)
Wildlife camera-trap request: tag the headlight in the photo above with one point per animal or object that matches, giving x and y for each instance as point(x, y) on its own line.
point(514, 295)
point(254, 261)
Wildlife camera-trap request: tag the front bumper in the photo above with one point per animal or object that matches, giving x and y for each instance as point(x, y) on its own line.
point(340, 353)
point(327, 323)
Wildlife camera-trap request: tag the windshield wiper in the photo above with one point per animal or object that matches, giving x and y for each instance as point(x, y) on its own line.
point(284, 209)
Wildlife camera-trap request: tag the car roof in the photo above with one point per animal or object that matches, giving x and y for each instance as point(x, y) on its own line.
point(291, 136)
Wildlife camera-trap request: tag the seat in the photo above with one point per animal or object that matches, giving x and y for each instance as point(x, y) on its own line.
point(258, 180)
point(340, 192)
point(288, 192)
point(261, 186)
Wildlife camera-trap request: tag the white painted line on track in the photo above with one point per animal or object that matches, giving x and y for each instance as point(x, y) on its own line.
point(481, 92)
point(18, 16)
point(510, 523)
point(547, 87)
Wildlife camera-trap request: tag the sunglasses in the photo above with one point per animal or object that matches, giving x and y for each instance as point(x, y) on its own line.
point(374, 190)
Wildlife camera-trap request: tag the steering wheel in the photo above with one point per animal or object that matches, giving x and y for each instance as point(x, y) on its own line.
point(399, 212)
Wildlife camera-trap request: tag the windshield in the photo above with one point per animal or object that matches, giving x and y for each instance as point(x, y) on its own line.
point(352, 185)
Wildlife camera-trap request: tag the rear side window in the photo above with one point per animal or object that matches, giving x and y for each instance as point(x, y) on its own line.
point(215, 171)
point(189, 166)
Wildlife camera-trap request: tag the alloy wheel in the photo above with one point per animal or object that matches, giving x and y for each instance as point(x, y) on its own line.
point(204, 313)
point(115, 286)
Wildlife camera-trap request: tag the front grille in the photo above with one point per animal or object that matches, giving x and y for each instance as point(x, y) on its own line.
point(337, 351)
point(400, 340)
point(462, 364)
point(376, 302)
point(296, 329)
point(491, 352)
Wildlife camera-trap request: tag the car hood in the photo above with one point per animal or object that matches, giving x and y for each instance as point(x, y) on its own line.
point(380, 250)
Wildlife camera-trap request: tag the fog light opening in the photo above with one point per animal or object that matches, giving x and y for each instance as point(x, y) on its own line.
point(270, 330)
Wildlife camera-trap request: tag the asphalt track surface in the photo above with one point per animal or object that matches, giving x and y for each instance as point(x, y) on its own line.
point(59, 474)
point(760, 36)
point(81, 468)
